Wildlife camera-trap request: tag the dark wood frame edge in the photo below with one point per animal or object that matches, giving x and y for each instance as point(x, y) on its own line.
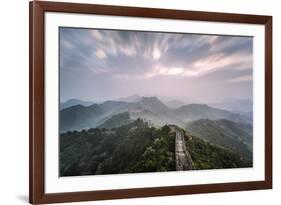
point(36, 104)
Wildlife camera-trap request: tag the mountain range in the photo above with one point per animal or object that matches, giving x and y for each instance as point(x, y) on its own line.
point(103, 133)
point(235, 105)
point(171, 102)
point(72, 102)
point(151, 109)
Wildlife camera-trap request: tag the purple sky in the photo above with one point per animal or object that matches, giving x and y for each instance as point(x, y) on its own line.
point(99, 65)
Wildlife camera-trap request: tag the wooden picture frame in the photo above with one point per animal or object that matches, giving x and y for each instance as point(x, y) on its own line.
point(37, 98)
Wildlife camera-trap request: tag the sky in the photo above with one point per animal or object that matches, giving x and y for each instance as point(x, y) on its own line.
point(99, 65)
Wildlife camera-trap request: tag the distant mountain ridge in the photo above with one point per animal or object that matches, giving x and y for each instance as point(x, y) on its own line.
point(73, 102)
point(132, 98)
point(174, 103)
point(203, 111)
point(235, 105)
point(168, 101)
point(150, 109)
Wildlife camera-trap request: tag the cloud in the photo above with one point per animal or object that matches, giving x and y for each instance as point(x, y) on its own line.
point(100, 54)
point(156, 53)
point(96, 34)
point(245, 78)
point(140, 54)
point(120, 56)
point(66, 44)
point(160, 70)
point(221, 61)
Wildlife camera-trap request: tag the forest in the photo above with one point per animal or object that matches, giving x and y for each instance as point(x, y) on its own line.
point(137, 147)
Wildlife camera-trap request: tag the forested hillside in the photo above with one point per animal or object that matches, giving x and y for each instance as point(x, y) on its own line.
point(136, 147)
point(209, 156)
point(234, 136)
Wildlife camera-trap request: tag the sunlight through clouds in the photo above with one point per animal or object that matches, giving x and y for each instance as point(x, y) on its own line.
point(100, 54)
point(117, 57)
point(156, 54)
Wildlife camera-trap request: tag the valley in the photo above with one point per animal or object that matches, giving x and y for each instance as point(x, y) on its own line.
point(147, 136)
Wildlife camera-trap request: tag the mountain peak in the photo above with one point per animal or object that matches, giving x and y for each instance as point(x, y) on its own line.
point(151, 99)
point(132, 98)
point(194, 106)
point(73, 102)
point(199, 105)
point(152, 104)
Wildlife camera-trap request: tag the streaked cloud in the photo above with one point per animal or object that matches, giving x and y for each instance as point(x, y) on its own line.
point(118, 56)
point(241, 79)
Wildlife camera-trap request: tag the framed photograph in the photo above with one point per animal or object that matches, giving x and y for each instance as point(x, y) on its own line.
point(139, 102)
